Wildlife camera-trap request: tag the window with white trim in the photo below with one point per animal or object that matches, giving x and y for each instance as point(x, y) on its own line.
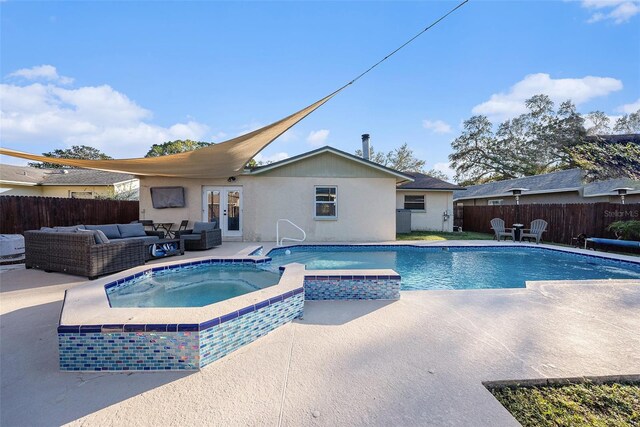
point(494, 202)
point(326, 202)
point(415, 203)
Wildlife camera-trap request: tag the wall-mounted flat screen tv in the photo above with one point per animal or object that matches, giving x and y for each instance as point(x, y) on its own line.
point(167, 197)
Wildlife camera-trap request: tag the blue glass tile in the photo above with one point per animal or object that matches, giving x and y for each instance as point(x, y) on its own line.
point(246, 310)
point(228, 317)
point(210, 323)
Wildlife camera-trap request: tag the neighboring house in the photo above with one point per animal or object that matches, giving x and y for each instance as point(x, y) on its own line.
point(330, 194)
point(430, 201)
point(71, 183)
point(565, 186)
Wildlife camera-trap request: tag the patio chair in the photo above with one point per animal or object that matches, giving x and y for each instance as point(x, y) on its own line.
point(183, 226)
point(497, 225)
point(538, 226)
point(204, 235)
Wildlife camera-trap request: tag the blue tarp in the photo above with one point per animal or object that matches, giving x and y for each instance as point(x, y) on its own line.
point(626, 243)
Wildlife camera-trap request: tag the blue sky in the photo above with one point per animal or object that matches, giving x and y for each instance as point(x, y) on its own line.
point(121, 76)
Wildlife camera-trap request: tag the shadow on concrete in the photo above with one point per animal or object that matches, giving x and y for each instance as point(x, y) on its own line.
point(338, 312)
point(35, 392)
point(21, 279)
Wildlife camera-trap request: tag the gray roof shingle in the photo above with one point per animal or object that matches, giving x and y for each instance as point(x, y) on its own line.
point(37, 176)
point(566, 180)
point(426, 182)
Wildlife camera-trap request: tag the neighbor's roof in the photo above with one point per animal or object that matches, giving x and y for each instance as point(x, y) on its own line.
point(26, 175)
point(400, 176)
point(554, 182)
point(426, 182)
point(21, 174)
point(605, 188)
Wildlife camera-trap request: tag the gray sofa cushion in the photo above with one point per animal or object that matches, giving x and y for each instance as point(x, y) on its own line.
point(70, 229)
point(190, 236)
point(98, 235)
point(199, 227)
point(147, 239)
point(131, 230)
point(110, 230)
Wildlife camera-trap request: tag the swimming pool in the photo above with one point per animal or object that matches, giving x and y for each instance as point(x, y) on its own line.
point(190, 286)
point(458, 267)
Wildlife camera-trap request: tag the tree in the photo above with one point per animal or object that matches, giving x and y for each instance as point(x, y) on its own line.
point(75, 152)
point(175, 147)
point(533, 143)
point(600, 123)
point(401, 159)
point(437, 174)
point(608, 157)
point(629, 123)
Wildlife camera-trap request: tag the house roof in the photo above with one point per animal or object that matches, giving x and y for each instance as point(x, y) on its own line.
point(25, 175)
point(426, 182)
point(400, 176)
point(554, 182)
point(21, 174)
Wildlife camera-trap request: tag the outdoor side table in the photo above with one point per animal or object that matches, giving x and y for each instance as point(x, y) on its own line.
point(517, 231)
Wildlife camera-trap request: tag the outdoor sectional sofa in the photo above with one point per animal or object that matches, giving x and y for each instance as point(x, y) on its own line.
point(75, 250)
point(203, 236)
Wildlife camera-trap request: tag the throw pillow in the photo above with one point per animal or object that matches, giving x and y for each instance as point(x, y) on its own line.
point(71, 229)
point(101, 237)
point(131, 230)
point(199, 227)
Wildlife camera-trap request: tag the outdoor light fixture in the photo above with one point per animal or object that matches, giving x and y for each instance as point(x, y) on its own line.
point(517, 192)
point(622, 191)
point(231, 179)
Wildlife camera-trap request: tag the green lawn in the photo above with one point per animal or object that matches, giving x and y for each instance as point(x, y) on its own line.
point(573, 405)
point(434, 235)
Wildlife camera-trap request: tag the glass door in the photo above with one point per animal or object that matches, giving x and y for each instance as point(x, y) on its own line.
point(224, 206)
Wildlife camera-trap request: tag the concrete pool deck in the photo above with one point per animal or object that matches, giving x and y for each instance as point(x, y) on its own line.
point(417, 361)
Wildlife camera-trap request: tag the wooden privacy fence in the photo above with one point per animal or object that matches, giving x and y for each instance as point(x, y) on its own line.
point(565, 220)
point(20, 213)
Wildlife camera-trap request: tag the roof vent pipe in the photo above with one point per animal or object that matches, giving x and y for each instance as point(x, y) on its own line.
point(365, 146)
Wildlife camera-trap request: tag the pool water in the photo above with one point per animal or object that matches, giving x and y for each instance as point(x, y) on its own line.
point(458, 267)
point(191, 287)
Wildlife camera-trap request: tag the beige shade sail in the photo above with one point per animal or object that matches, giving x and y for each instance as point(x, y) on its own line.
point(221, 160)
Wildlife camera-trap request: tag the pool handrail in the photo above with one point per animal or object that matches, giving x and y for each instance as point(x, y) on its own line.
point(279, 240)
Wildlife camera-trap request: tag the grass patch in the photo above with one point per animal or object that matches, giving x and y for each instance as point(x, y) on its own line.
point(573, 405)
point(435, 235)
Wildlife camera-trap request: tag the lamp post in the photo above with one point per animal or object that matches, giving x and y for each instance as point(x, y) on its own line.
point(621, 192)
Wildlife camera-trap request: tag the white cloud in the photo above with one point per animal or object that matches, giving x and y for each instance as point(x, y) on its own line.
point(98, 116)
point(437, 126)
point(501, 106)
point(42, 72)
point(318, 137)
point(276, 157)
point(619, 11)
point(629, 108)
point(446, 169)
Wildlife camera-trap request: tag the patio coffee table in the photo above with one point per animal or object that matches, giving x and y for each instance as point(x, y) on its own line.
point(164, 248)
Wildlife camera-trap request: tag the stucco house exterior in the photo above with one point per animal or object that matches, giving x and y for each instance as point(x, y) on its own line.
point(430, 201)
point(566, 186)
point(330, 194)
point(70, 183)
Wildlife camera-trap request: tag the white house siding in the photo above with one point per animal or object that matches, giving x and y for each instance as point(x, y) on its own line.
point(431, 219)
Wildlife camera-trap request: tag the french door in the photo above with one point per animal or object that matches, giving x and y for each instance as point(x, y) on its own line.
point(223, 205)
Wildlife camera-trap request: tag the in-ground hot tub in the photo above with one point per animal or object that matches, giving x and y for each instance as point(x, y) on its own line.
point(94, 336)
